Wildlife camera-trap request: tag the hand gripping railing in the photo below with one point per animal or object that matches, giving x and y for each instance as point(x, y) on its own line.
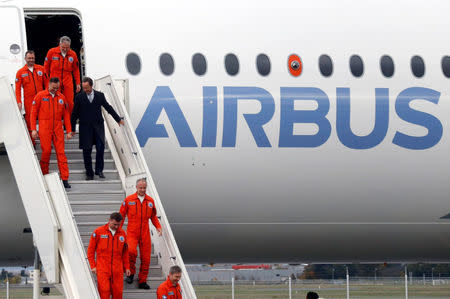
point(126, 149)
point(46, 205)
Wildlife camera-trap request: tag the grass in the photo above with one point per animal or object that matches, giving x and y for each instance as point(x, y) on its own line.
point(328, 291)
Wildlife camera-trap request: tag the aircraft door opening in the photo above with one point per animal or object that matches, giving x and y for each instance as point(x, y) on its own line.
point(44, 29)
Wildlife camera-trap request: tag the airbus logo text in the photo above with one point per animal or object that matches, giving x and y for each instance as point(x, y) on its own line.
point(164, 99)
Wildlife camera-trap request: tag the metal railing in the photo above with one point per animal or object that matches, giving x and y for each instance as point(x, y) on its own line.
point(124, 145)
point(47, 207)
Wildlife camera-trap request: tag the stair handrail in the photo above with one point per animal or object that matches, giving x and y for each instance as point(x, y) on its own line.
point(132, 159)
point(46, 205)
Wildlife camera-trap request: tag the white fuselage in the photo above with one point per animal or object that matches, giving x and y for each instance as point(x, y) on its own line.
point(279, 195)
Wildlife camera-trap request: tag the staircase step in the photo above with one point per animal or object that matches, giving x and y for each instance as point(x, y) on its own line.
point(79, 164)
point(149, 294)
point(68, 144)
point(92, 216)
point(95, 185)
point(153, 281)
point(74, 154)
point(94, 205)
point(80, 174)
point(95, 195)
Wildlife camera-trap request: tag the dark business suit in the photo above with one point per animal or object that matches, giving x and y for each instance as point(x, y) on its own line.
point(92, 129)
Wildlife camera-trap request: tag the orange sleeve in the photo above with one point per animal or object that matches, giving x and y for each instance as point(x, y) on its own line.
point(18, 87)
point(123, 211)
point(45, 81)
point(76, 71)
point(154, 218)
point(162, 292)
point(91, 250)
point(125, 257)
point(35, 111)
point(67, 118)
point(48, 62)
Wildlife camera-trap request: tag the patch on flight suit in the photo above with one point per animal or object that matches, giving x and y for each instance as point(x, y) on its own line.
point(46, 59)
point(24, 75)
point(164, 297)
point(150, 205)
point(121, 239)
point(170, 293)
point(45, 99)
point(34, 102)
point(124, 203)
point(61, 101)
point(70, 59)
point(131, 203)
point(39, 73)
point(104, 236)
point(17, 80)
point(94, 235)
point(55, 58)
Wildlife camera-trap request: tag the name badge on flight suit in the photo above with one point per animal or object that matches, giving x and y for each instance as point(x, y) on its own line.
point(104, 236)
point(131, 203)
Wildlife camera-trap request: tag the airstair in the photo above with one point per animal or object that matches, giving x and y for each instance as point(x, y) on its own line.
point(62, 221)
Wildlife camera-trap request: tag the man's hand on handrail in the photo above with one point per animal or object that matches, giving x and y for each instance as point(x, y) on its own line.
point(121, 122)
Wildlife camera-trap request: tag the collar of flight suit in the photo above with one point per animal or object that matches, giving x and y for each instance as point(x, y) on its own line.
point(135, 197)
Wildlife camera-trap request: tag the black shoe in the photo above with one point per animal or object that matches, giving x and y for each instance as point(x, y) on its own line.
point(129, 279)
point(144, 285)
point(100, 174)
point(89, 177)
point(66, 184)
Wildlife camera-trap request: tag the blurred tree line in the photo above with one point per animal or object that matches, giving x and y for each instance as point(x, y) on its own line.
point(374, 270)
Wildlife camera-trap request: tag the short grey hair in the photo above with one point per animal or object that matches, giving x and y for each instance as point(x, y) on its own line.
point(65, 39)
point(141, 180)
point(175, 269)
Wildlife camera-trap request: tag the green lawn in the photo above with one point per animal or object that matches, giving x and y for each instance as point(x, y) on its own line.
point(324, 290)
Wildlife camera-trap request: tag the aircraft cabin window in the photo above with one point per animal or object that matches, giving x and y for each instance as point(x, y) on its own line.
point(199, 64)
point(446, 66)
point(356, 66)
point(325, 65)
point(166, 64)
point(231, 64)
point(387, 66)
point(417, 66)
point(133, 63)
point(263, 64)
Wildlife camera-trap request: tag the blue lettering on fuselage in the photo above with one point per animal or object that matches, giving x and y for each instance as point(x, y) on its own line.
point(164, 99)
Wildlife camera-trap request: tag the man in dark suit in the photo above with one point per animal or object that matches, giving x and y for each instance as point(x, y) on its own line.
point(87, 108)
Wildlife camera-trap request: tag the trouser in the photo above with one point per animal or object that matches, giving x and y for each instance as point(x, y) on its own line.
point(110, 285)
point(68, 92)
point(99, 160)
point(28, 121)
point(58, 143)
point(145, 250)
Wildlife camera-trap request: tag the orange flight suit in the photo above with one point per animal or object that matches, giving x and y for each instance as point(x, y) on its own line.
point(66, 69)
point(168, 291)
point(111, 261)
point(32, 83)
point(50, 111)
point(138, 230)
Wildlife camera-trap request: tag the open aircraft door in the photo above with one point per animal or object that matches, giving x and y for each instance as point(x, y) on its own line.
point(12, 40)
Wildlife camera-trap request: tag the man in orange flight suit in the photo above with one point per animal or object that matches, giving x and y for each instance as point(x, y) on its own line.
point(62, 62)
point(32, 79)
point(110, 243)
point(139, 207)
point(50, 107)
point(170, 289)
